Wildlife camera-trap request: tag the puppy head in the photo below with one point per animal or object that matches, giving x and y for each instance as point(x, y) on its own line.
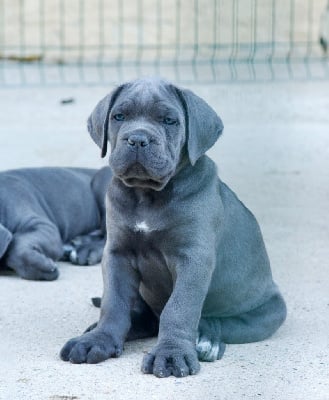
point(151, 124)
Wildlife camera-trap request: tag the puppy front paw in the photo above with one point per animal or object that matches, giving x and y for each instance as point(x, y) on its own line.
point(33, 265)
point(91, 347)
point(178, 359)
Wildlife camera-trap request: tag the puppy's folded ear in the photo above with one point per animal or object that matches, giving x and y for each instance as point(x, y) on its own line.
point(202, 123)
point(5, 239)
point(98, 121)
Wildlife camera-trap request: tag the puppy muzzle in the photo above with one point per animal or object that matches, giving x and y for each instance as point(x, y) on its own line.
point(138, 160)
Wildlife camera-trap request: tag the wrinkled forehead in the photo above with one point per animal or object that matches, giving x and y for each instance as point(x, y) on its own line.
point(146, 96)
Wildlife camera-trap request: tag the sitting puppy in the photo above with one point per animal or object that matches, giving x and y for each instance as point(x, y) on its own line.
point(181, 244)
point(41, 209)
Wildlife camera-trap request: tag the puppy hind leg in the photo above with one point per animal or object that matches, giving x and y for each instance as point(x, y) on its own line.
point(144, 322)
point(255, 325)
point(209, 345)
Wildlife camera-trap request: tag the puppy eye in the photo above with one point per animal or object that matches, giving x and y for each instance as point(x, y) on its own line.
point(169, 121)
point(119, 117)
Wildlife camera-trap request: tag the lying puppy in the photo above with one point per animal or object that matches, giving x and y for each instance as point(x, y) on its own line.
point(41, 209)
point(180, 244)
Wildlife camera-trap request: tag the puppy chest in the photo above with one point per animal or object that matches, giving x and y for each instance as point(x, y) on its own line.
point(149, 260)
point(142, 227)
point(146, 221)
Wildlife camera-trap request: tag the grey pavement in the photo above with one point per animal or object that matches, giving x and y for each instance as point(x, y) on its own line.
point(274, 154)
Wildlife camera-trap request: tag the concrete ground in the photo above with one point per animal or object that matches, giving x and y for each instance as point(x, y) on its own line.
point(275, 155)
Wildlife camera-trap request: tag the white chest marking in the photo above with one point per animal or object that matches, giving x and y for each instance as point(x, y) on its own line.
point(142, 227)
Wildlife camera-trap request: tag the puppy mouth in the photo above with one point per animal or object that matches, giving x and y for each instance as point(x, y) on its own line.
point(143, 183)
point(137, 176)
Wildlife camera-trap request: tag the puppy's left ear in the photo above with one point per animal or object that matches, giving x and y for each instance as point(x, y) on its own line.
point(202, 123)
point(98, 121)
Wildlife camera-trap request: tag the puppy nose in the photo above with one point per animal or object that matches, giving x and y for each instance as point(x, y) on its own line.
point(138, 139)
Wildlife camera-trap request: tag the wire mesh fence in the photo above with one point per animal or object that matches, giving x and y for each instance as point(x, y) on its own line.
point(104, 41)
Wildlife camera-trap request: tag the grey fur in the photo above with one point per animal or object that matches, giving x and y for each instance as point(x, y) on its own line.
point(42, 210)
point(180, 240)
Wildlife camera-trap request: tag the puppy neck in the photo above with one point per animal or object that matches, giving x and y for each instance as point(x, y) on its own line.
point(139, 196)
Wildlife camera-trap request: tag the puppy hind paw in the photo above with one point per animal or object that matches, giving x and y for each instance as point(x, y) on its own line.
point(208, 350)
point(89, 254)
point(209, 345)
point(67, 251)
point(84, 256)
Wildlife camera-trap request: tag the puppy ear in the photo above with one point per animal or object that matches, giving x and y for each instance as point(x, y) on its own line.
point(5, 239)
point(98, 121)
point(203, 125)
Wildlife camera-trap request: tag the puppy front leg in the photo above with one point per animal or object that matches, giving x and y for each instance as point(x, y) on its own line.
point(175, 353)
point(107, 338)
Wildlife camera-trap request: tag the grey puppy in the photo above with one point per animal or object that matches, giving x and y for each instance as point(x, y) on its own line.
point(49, 213)
point(181, 249)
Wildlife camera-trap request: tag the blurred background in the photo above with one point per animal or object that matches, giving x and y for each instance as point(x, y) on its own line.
point(98, 41)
